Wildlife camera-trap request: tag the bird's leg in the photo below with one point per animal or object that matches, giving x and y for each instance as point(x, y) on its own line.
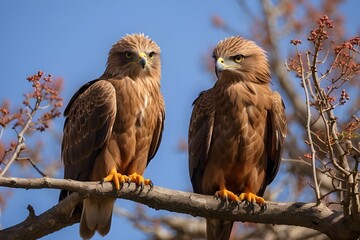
point(117, 178)
point(226, 194)
point(251, 198)
point(140, 181)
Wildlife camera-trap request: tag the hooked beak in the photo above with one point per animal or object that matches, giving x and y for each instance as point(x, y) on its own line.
point(219, 66)
point(142, 59)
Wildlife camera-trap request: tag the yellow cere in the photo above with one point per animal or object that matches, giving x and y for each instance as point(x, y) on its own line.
point(142, 54)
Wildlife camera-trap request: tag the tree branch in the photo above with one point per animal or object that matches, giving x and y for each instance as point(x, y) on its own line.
point(309, 215)
point(273, 36)
point(54, 219)
point(306, 85)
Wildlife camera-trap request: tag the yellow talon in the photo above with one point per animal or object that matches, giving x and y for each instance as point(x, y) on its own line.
point(117, 178)
point(226, 194)
point(251, 198)
point(139, 180)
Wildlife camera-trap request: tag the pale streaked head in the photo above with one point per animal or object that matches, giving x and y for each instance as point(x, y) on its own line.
point(133, 56)
point(242, 59)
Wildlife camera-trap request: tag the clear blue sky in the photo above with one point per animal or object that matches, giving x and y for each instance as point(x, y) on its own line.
point(71, 39)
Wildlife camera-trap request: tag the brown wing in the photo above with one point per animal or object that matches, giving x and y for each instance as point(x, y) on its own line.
point(156, 139)
point(199, 137)
point(90, 117)
point(276, 125)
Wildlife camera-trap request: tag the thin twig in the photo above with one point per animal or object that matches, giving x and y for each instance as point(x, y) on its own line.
point(1, 131)
point(297, 161)
point(305, 83)
point(33, 164)
point(21, 140)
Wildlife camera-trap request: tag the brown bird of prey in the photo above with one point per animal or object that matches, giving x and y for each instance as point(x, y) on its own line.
point(237, 130)
point(113, 126)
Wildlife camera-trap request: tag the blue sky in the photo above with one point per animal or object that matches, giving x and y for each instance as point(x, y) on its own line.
point(71, 39)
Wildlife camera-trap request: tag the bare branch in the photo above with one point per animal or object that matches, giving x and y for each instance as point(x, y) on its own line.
point(277, 66)
point(310, 215)
point(32, 164)
point(42, 91)
point(20, 140)
point(54, 219)
point(167, 227)
point(305, 83)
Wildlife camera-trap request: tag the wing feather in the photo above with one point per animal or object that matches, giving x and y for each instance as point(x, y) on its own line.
point(276, 135)
point(90, 117)
point(157, 135)
point(199, 138)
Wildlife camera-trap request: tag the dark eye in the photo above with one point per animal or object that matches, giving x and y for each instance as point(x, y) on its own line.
point(238, 58)
point(151, 55)
point(128, 55)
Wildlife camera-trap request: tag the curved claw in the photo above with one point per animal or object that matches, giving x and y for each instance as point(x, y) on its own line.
point(151, 184)
point(226, 195)
point(117, 178)
point(226, 200)
point(263, 207)
point(142, 186)
point(251, 198)
point(140, 181)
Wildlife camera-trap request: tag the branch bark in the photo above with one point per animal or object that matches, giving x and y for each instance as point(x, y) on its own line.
point(54, 219)
point(310, 215)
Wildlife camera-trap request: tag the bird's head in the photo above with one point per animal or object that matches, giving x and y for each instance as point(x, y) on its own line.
point(134, 56)
point(240, 59)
